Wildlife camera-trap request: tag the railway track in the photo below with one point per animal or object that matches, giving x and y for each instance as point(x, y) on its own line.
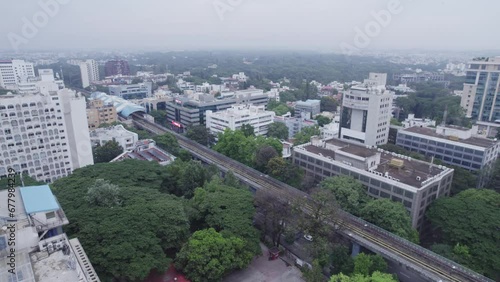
point(424, 259)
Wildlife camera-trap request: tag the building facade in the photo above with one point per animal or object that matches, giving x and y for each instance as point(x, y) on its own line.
point(117, 133)
point(44, 83)
point(132, 91)
point(14, 71)
point(44, 136)
point(99, 113)
point(89, 72)
point(238, 115)
point(366, 112)
point(296, 124)
point(310, 106)
point(413, 183)
point(189, 110)
point(454, 146)
point(116, 67)
point(481, 89)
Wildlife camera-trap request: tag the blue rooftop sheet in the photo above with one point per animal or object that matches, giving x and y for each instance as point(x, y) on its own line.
point(38, 199)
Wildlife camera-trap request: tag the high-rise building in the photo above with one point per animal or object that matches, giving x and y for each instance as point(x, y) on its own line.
point(116, 67)
point(481, 94)
point(89, 71)
point(14, 71)
point(44, 135)
point(366, 112)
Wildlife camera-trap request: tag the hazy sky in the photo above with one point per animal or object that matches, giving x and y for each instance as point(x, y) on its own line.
point(291, 24)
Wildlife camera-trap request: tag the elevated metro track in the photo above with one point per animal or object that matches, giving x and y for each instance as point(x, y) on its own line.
point(429, 265)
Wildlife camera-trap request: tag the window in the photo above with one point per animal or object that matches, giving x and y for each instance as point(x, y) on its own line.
point(50, 215)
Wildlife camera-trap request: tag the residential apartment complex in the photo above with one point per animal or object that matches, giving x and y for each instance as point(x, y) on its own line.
point(366, 112)
point(309, 106)
point(99, 113)
point(43, 252)
point(89, 72)
point(190, 110)
point(238, 115)
point(14, 71)
point(132, 91)
point(44, 135)
point(44, 83)
point(116, 67)
point(452, 145)
point(481, 94)
point(117, 133)
point(413, 183)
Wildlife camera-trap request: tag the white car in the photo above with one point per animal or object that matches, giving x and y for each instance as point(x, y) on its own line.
point(308, 237)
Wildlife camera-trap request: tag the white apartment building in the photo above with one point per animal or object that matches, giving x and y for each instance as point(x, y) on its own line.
point(413, 183)
point(44, 135)
point(44, 83)
point(43, 252)
point(412, 121)
point(366, 112)
point(117, 133)
point(238, 115)
point(12, 72)
point(89, 72)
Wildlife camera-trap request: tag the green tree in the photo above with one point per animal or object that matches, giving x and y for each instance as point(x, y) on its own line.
point(208, 255)
point(349, 193)
point(323, 209)
point(368, 264)
point(471, 218)
point(281, 109)
point(167, 142)
point(182, 178)
point(278, 130)
point(200, 134)
point(304, 136)
point(159, 116)
point(328, 104)
point(322, 120)
point(103, 193)
point(275, 213)
point(494, 182)
point(391, 216)
point(284, 171)
point(262, 157)
point(137, 80)
point(375, 277)
point(315, 274)
point(110, 234)
point(107, 152)
point(228, 210)
point(247, 130)
point(341, 260)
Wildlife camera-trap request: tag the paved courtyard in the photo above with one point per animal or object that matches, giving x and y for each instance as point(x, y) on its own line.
point(263, 270)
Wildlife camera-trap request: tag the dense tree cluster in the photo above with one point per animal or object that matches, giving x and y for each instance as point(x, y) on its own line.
point(468, 224)
point(279, 108)
point(107, 152)
point(200, 134)
point(278, 130)
point(107, 204)
point(304, 136)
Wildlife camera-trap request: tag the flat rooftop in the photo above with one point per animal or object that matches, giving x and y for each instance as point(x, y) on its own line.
point(475, 141)
point(410, 171)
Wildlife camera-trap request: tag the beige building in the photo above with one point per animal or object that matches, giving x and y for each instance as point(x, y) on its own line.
point(98, 113)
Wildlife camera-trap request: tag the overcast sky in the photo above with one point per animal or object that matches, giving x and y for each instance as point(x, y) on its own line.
point(291, 24)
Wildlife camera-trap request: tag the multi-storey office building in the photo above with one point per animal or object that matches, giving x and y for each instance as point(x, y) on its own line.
point(44, 135)
point(238, 115)
point(89, 72)
point(413, 183)
point(189, 110)
point(454, 146)
point(132, 91)
point(481, 94)
point(366, 112)
point(43, 252)
point(14, 71)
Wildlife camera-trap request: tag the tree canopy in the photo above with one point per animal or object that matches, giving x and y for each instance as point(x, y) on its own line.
point(107, 152)
point(375, 277)
point(208, 255)
point(109, 234)
point(349, 193)
point(182, 178)
point(167, 142)
point(304, 136)
point(471, 219)
point(278, 130)
point(391, 216)
point(322, 120)
point(200, 134)
point(328, 104)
